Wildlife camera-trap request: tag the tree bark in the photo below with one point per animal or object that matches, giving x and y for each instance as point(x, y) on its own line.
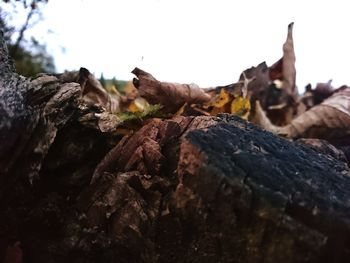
point(187, 189)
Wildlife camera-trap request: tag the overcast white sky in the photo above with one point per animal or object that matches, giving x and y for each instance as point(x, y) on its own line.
point(201, 41)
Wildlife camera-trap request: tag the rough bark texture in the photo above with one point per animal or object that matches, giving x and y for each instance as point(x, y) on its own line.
point(189, 189)
point(258, 198)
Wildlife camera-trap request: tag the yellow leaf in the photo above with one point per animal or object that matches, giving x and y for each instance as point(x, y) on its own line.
point(222, 99)
point(220, 103)
point(132, 107)
point(138, 105)
point(241, 107)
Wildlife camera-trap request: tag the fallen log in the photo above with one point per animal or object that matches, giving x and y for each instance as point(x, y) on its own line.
point(187, 189)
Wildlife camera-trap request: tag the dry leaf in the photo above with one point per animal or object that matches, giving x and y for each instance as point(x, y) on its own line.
point(322, 91)
point(241, 107)
point(330, 119)
point(276, 70)
point(226, 102)
point(94, 93)
point(222, 99)
point(281, 97)
point(244, 88)
point(171, 95)
point(138, 105)
point(221, 102)
point(278, 94)
point(288, 66)
point(257, 88)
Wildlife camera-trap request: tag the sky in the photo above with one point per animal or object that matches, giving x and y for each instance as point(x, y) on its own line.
point(197, 41)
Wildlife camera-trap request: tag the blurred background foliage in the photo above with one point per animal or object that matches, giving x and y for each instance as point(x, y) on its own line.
point(29, 55)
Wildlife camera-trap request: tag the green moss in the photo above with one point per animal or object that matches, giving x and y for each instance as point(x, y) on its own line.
point(149, 112)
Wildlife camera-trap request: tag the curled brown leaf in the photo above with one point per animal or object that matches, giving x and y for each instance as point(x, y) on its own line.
point(288, 67)
point(171, 95)
point(94, 93)
point(330, 119)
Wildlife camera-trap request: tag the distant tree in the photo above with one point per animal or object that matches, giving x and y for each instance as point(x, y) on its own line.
point(103, 81)
point(30, 57)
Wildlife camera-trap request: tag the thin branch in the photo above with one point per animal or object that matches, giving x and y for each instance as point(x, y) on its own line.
point(25, 26)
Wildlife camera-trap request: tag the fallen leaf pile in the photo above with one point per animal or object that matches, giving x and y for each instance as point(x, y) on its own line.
point(265, 95)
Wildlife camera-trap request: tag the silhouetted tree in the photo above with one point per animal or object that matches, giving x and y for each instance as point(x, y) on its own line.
point(102, 80)
point(29, 55)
